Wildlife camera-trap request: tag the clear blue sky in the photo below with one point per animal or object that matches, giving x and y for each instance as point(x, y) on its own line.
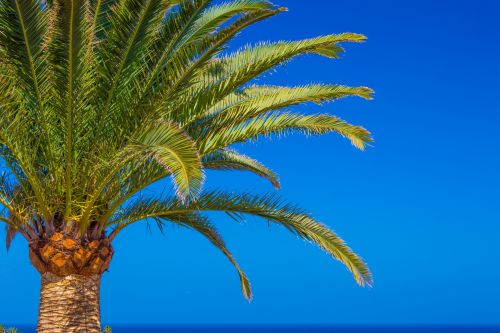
point(421, 206)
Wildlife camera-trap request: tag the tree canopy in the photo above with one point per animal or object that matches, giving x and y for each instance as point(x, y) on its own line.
point(101, 98)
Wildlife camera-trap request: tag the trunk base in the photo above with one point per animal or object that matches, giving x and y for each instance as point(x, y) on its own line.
point(69, 304)
point(64, 255)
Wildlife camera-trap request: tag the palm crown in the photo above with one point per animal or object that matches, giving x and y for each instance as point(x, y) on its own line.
point(101, 98)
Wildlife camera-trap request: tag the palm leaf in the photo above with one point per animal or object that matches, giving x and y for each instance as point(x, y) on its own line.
point(202, 225)
point(293, 219)
point(240, 107)
point(277, 123)
point(176, 151)
point(268, 207)
point(155, 209)
point(226, 159)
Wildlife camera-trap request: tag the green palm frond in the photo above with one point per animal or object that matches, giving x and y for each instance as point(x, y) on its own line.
point(193, 26)
point(11, 198)
point(214, 16)
point(268, 207)
point(226, 159)
point(256, 100)
point(169, 39)
point(155, 209)
point(252, 102)
point(171, 149)
point(254, 60)
point(278, 123)
point(100, 11)
point(16, 214)
point(292, 218)
point(201, 224)
point(176, 151)
point(18, 159)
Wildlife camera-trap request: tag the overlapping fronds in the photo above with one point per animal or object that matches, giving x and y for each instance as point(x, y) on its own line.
point(99, 99)
point(23, 29)
point(25, 86)
point(226, 74)
point(16, 214)
point(174, 150)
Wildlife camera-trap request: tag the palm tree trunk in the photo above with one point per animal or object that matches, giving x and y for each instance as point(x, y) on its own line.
point(69, 304)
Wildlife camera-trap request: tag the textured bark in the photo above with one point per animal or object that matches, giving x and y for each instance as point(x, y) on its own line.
point(69, 304)
point(64, 255)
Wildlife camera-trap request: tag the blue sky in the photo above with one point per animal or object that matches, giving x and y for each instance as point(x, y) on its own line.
point(421, 205)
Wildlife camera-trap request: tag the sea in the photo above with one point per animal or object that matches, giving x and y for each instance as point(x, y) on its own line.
point(293, 329)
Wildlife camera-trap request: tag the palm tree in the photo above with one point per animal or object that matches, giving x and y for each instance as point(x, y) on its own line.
point(101, 98)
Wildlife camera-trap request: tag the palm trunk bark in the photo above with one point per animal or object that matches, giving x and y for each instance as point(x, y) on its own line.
point(69, 304)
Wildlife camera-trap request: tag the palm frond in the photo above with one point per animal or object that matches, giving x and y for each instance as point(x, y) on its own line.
point(292, 218)
point(11, 198)
point(251, 61)
point(256, 100)
point(217, 14)
point(18, 217)
point(169, 39)
point(278, 123)
point(23, 170)
point(268, 207)
point(201, 224)
point(176, 151)
point(155, 209)
point(100, 11)
point(226, 159)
